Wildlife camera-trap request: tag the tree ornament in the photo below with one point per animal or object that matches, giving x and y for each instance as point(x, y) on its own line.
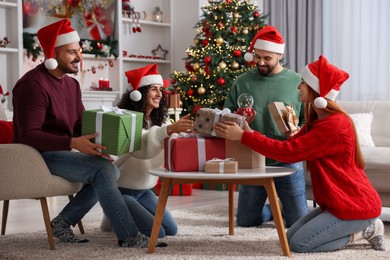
point(235, 65)
point(221, 81)
point(190, 92)
point(196, 66)
point(219, 40)
point(173, 81)
point(234, 29)
point(31, 8)
point(205, 42)
point(237, 53)
point(236, 15)
point(228, 1)
point(222, 65)
point(207, 59)
point(73, 3)
point(219, 7)
point(245, 31)
point(196, 42)
point(194, 78)
point(255, 14)
point(220, 24)
point(201, 90)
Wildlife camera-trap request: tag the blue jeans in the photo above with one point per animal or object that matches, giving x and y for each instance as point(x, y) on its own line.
point(291, 191)
point(320, 231)
point(99, 176)
point(142, 205)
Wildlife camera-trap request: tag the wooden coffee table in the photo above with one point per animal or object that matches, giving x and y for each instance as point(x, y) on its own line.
point(260, 176)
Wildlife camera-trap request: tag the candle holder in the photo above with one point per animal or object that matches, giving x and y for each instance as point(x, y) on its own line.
point(157, 15)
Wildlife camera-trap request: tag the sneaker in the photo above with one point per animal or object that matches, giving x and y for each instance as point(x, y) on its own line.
point(61, 230)
point(138, 240)
point(374, 235)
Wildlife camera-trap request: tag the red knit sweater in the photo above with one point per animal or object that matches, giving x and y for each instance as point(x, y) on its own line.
point(339, 186)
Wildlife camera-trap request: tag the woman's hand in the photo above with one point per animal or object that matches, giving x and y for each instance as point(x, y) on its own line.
point(229, 130)
point(184, 124)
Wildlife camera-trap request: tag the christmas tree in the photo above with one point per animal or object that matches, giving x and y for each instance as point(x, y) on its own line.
point(224, 33)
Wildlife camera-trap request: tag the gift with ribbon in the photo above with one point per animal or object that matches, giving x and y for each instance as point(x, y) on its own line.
point(216, 165)
point(185, 152)
point(120, 130)
point(206, 118)
point(175, 189)
point(245, 156)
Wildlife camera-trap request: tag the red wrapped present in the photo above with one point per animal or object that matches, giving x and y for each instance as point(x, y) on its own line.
point(218, 186)
point(175, 190)
point(197, 185)
point(188, 152)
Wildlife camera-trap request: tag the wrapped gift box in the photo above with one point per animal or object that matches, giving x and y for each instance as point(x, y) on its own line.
point(206, 118)
point(190, 152)
point(246, 157)
point(278, 112)
point(218, 186)
point(120, 133)
point(228, 165)
point(175, 190)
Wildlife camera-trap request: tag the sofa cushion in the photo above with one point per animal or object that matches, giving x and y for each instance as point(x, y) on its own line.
point(377, 166)
point(362, 123)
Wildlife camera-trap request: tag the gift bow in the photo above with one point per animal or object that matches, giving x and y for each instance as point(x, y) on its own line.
point(218, 114)
point(118, 111)
point(221, 163)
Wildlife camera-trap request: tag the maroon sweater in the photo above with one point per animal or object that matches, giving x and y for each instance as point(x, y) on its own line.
point(339, 185)
point(47, 110)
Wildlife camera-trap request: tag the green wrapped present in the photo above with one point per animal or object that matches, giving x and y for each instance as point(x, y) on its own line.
point(119, 130)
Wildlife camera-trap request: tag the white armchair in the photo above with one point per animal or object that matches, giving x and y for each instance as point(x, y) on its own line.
point(25, 175)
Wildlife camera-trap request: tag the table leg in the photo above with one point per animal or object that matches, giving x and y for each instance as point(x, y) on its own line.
point(231, 208)
point(162, 202)
point(277, 215)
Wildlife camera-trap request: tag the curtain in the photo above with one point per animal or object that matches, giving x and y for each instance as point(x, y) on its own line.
point(356, 38)
point(300, 23)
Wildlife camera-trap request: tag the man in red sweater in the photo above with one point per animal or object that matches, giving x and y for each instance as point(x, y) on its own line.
point(47, 116)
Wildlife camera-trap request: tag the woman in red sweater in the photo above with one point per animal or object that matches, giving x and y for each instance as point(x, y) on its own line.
point(349, 206)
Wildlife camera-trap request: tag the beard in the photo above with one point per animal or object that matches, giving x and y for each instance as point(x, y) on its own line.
point(265, 70)
point(69, 68)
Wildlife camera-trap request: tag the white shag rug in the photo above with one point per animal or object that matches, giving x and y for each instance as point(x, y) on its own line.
point(203, 234)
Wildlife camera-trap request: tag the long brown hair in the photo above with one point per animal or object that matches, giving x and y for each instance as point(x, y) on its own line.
point(331, 108)
point(157, 116)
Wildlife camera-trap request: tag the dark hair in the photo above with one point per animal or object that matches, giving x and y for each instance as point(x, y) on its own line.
point(157, 116)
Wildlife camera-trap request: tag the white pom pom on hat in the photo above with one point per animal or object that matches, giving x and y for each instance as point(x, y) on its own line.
point(54, 35)
point(325, 79)
point(141, 77)
point(267, 39)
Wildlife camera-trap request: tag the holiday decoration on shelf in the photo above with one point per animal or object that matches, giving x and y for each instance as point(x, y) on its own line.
point(3, 95)
point(30, 7)
point(160, 52)
point(224, 34)
point(4, 42)
point(103, 48)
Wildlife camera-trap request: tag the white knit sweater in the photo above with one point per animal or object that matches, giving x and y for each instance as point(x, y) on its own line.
point(134, 167)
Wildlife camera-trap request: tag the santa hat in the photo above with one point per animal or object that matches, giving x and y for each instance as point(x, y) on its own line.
point(325, 79)
point(141, 77)
point(267, 39)
point(54, 35)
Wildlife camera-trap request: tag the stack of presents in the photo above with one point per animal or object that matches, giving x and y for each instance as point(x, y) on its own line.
point(121, 132)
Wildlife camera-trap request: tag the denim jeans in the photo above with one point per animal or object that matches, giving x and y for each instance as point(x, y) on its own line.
point(142, 205)
point(291, 191)
point(99, 176)
point(320, 231)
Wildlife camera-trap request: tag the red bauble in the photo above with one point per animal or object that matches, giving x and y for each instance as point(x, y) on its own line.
point(31, 8)
point(205, 42)
point(190, 92)
point(237, 53)
point(194, 79)
point(220, 24)
point(255, 14)
point(234, 29)
point(73, 3)
point(228, 1)
point(207, 59)
point(173, 81)
point(221, 81)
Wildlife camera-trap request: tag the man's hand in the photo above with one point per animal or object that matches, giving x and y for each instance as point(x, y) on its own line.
point(84, 145)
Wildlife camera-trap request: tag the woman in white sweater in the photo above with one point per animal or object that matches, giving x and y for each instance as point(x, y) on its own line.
point(146, 95)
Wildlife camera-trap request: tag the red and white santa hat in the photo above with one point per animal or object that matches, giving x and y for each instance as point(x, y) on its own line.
point(325, 79)
point(142, 77)
point(267, 39)
point(54, 35)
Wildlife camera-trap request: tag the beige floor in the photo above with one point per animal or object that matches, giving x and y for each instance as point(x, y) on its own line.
point(26, 215)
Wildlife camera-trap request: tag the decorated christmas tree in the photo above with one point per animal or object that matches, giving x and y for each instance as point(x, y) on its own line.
point(224, 33)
